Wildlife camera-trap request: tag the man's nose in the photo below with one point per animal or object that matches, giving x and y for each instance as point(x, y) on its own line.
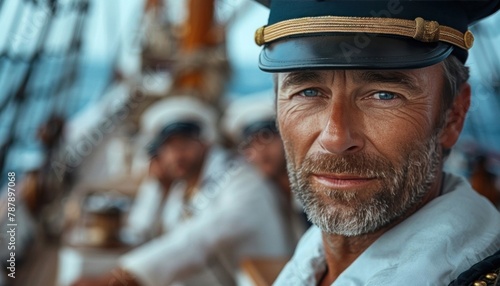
point(341, 134)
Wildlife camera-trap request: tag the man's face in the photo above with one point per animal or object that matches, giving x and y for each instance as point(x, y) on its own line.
point(362, 146)
point(265, 151)
point(181, 156)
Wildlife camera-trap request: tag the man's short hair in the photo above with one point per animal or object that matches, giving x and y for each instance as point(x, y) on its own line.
point(455, 75)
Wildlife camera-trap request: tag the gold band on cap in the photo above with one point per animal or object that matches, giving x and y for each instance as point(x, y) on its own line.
point(418, 29)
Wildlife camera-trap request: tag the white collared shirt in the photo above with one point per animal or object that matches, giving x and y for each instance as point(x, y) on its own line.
point(431, 247)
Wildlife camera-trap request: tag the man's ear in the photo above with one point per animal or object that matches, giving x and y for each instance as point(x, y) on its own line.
point(456, 117)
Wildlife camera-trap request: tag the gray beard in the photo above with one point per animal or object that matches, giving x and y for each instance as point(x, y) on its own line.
point(344, 213)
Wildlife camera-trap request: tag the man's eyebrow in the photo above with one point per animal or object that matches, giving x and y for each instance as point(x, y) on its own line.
point(301, 77)
point(391, 77)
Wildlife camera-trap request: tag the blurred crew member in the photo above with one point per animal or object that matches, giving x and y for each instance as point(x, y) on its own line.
point(250, 122)
point(218, 209)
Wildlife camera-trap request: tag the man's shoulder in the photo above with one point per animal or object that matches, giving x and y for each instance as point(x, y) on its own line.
point(455, 230)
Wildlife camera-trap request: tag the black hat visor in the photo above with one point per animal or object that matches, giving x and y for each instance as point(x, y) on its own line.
point(351, 51)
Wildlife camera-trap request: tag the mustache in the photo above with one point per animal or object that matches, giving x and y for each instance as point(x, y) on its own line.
point(361, 164)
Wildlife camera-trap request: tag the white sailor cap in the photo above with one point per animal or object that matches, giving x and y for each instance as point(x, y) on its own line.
point(179, 114)
point(249, 114)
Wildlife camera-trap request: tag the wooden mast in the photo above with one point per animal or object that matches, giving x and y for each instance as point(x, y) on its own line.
point(198, 36)
point(152, 4)
point(192, 52)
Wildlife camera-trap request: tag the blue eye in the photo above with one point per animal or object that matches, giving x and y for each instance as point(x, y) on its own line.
point(385, 95)
point(309, 93)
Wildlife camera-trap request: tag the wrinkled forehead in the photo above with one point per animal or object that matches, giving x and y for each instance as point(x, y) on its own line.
point(411, 78)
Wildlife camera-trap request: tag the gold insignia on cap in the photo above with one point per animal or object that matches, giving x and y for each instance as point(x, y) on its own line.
point(419, 29)
point(468, 39)
point(426, 31)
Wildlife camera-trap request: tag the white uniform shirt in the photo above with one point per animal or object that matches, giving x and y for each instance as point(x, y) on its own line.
point(432, 247)
point(143, 222)
point(234, 215)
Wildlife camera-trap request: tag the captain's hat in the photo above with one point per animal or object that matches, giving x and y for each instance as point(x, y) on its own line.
point(392, 34)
